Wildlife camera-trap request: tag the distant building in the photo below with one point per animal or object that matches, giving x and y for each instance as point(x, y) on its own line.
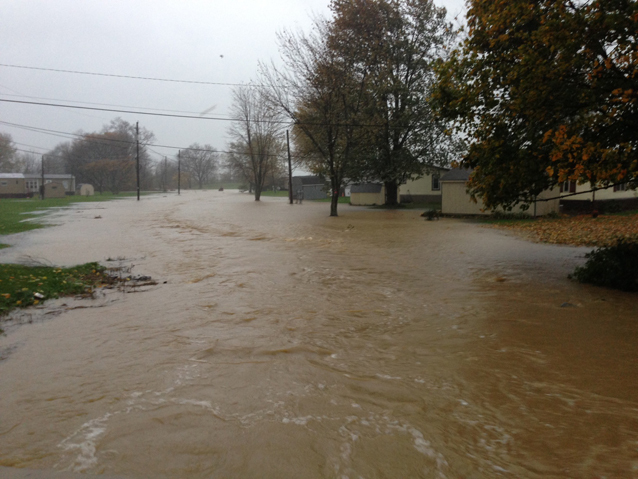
point(425, 189)
point(367, 194)
point(84, 189)
point(455, 200)
point(313, 187)
point(577, 198)
point(19, 185)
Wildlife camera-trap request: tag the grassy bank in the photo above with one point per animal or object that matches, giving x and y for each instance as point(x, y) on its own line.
point(22, 286)
point(14, 211)
point(583, 230)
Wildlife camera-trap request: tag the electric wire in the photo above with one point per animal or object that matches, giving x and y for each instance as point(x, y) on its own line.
point(101, 104)
point(199, 117)
point(131, 77)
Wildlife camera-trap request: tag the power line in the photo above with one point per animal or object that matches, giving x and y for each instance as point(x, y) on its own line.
point(132, 77)
point(100, 104)
point(133, 112)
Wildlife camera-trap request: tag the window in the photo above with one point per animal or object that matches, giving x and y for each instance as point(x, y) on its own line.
point(568, 187)
point(620, 187)
point(4, 183)
point(436, 185)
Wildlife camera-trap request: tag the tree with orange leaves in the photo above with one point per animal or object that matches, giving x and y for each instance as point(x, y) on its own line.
point(545, 91)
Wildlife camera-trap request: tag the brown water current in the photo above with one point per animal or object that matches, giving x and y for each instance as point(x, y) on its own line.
point(285, 344)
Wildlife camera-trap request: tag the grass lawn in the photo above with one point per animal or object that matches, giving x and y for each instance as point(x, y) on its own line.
point(342, 200)
point(13, 211)
point(24, 286)
point(582, 230)
point(281, 194)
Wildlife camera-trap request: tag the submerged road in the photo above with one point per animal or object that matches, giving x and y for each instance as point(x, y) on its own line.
point(280, 342)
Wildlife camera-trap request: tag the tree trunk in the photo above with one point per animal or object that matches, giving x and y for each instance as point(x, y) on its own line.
point(257, 192)
point(391, 193)
point(334, 197)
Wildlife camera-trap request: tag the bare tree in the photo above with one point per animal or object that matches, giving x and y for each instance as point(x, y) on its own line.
point(200, 162)
point(256, 132)
point(7, 153)
point(27, 162)
point(322, 92)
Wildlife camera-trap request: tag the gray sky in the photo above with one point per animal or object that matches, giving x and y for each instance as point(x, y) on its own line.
point(149, 38)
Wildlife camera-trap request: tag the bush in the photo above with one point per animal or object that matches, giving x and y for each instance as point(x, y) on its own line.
point(613, 267)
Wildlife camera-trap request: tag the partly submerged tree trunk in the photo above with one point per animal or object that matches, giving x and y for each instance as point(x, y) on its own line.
point(258, 188)
point(334, 196)
point(391, 193)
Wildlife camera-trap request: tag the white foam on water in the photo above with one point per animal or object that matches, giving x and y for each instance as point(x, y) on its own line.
point(84, 442)
point(299, 421)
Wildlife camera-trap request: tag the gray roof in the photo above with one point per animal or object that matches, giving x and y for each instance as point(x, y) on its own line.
point(12, 176)
point(366, 188)
point(48, 176)
point(309, 180)
point(457, 174)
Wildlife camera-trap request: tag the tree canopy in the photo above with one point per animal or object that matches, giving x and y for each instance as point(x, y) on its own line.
point(357, 90)
point(395, 44)
point(544, 91)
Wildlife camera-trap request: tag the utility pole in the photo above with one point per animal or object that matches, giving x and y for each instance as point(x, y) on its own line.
point(137, 156)
point(42, 187)
point(179, 171)
point(165, 175)
point(289, 169)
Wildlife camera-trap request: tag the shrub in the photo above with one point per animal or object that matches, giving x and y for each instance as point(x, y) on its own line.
point(613, 267)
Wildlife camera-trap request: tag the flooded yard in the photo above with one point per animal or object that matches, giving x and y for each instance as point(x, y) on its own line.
point(281, 342)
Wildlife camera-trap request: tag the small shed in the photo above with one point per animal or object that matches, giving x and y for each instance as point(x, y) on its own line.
point(84, 189)
point(54, 190)
point(455, 200)
point(369, 194)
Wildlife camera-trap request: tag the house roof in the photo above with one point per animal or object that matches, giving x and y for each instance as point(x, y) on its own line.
point(309, 180)
point(366, 188)
point(457, 174)
point(47, 176)
point(12, 176)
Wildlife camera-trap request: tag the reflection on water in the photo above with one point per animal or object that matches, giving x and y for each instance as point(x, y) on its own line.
point(289, 344)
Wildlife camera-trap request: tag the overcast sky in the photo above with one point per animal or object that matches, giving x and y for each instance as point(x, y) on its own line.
point(200, 40)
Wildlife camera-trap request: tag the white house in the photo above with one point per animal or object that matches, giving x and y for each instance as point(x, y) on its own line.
point(455, 199)
point(19, 185)
point(426, 189)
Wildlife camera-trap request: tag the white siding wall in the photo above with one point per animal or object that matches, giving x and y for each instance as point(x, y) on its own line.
point(456, 201)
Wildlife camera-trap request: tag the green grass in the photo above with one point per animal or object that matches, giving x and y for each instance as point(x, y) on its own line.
point(14, 211)
point(342, 200)
point(20, 284)
point(281, 194)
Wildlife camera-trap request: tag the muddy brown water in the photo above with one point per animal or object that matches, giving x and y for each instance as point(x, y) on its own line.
point(289, 344)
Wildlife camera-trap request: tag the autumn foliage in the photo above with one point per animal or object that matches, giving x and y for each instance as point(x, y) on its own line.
point(580, 230)
point(545, 91)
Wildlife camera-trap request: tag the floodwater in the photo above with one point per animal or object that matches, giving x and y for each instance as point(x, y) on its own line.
point(281, 343)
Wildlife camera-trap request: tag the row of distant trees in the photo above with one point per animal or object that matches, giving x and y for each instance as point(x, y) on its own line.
point(107, 160)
